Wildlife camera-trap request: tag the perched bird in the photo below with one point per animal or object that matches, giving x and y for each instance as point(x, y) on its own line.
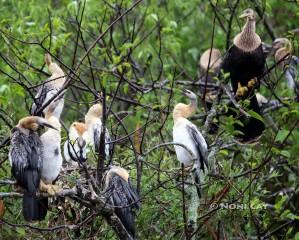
point(49, 89)
point(245, 61)
point(186, 133)
point(26, 159)
point(209, 63)
point(122, 196)
point(283, 54)
point(94, 127)
point(52, 159)
point(75, 147)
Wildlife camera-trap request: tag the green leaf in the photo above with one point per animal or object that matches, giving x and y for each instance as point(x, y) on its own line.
point(281, 135)
point(256, 115)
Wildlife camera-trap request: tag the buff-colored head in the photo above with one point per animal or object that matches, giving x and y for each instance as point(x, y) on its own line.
point(79, 127)
point(184, 110)
point(249, 14)
point(33, 123)
point(215, 59)
point(123, 173)
point(280, 43)
point(95, 110)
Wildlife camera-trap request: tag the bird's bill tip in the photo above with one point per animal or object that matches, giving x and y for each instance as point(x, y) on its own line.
point(44, 123)
point(243, 15)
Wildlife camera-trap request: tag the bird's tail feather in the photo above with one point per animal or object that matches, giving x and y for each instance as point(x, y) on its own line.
point(34, 208)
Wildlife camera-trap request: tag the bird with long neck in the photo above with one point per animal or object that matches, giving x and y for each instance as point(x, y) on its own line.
point(52, 159)
point(93, 121)
point(245, 63)
point(187, 134)
point(247, 40)
point(26, 159)
point(49, 89)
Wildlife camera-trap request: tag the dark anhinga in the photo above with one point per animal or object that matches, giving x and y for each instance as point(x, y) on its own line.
point(93, 121)
point(245, 61)
point(26, 159)
point(287, 61)
point(75, 148)
point(186, 133)
point(49, 89)
point(122, 196)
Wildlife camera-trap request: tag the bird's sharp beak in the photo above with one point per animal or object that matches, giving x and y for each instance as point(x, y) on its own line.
point(185, 91)
point(43, 122)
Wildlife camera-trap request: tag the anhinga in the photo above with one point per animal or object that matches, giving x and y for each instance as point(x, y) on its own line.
point(94, 124)
point(210, 62)
point(26, 159)
point(186, 133)
point(122, 196)
point(52, 159)
point(287, 61)
point(75, 148)
point(245, 61)
point(49, 89)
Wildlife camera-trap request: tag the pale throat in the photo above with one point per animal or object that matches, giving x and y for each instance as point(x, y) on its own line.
point(248, 40)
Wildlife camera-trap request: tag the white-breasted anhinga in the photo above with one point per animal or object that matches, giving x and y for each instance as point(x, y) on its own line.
point(49, 89)
point(186, 133)
point(93, 121)
point(75, 147)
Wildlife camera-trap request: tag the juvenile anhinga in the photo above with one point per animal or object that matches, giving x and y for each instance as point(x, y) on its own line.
point(94, 127)
point(186, 133)
point(52, 159)
point(75, 148)
point(122, 196)
point(26, 159)
point(49, 89)
point(245, 61)
point(287, 61)
point(209, 63)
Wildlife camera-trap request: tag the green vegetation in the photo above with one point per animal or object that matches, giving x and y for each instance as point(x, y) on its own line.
point(143, 59)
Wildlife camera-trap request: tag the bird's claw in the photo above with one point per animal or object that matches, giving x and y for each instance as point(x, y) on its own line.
point(252, 83)
point(49, 188)
point(241, 91)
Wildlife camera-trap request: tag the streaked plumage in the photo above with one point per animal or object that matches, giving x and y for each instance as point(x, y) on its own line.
point(49, 89)
point(186, 133)
point(122, 196)
point(245, 61)
point(75, 148)
point(94, 127)
point(26, 159)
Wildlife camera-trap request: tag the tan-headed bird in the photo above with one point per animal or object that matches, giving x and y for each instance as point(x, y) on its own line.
point(186, 133)
point(26, 159)
point(49, 89)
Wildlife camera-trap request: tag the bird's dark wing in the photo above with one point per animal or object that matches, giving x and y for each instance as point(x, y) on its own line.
point(123, 197)
point(40, 98)
point(200, 144)
point(25, 154)
point(97, 130)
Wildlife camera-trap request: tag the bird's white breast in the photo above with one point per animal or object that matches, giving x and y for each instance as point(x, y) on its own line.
point(182, 136)
point(52, 159)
